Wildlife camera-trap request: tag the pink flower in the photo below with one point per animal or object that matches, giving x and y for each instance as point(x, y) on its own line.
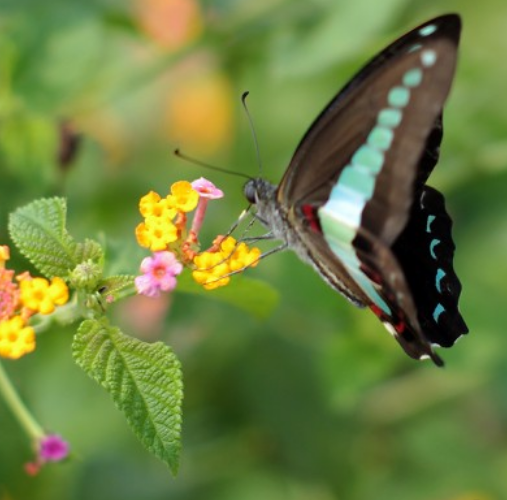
point(52, 448)
point(207, 189)
point(159, 274)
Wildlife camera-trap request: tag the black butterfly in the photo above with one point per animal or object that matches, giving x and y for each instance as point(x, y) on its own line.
point(354, 201)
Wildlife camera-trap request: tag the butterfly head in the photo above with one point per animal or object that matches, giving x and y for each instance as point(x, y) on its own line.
point(258, 190)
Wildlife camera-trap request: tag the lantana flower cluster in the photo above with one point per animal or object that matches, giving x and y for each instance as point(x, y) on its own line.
point(21, 297)
point(164, 231)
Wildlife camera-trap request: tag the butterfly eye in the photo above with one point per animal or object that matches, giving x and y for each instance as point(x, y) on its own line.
point(250, 191)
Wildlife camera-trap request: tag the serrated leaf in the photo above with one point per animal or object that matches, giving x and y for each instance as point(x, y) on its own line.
point(89, 250)
point(144, 381)
point(256, 297)
point(118, 286)
point(39, 232)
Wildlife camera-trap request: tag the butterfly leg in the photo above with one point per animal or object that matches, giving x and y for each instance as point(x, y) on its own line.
point(262, 237)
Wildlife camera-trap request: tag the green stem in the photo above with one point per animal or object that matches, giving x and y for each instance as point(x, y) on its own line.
point(27, 421)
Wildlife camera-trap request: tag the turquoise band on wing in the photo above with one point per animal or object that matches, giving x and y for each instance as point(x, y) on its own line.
point(428, 30)
point(389, 117)
point(413, 77)
point(340, 216)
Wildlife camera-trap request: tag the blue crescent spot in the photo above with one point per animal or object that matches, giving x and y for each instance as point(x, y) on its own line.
point(431, 218)
point(437, 312)
point(433, 244)
point(440, 274)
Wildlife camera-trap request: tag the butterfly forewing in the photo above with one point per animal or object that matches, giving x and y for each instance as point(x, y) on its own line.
point(344, 125)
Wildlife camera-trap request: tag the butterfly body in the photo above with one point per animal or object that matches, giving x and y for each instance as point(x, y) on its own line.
point(354, 201)
point(284, 226)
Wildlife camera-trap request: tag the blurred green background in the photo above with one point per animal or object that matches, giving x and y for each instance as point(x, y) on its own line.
point(316, 401)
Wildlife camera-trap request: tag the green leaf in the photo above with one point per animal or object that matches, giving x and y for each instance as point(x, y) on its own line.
point(118, 286)
point(39, 232)
point(144, 381)
point(89, 250)
point(253, 296)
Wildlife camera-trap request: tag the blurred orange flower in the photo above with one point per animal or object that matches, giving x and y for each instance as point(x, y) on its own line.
point(199, 113)
point(171, 23)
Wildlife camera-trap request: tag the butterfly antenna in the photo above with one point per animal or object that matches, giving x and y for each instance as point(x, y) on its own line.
point(252, 129)
point(200, 163)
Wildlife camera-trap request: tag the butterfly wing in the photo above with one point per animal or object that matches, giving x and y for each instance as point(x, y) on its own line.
point(364, 162)
point(343, 126)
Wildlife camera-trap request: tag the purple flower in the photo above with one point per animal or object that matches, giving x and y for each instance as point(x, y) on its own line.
point(159, 274)
point(52, 448)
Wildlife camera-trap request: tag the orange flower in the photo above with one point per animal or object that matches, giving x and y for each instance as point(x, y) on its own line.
point(199, 113)
point(172, 23)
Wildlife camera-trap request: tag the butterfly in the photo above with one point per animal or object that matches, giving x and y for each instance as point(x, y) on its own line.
point(354, 202)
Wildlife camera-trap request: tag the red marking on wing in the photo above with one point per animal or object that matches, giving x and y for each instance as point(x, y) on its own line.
point(400, 326)
point(377, 311)
point(311, 216)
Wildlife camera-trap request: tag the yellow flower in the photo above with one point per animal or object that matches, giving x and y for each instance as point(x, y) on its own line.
point(227, 246)
point(58, 291)
point(211, 270)
point(183, 196)
point(239, 256)
point(156, 233)
point(147, 202)
point(153, 205)
point(16, 339)
point(40, 296)
point(244, 257)
point(4, 254)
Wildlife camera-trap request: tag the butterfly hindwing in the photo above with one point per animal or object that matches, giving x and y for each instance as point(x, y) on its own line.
point(425, 252)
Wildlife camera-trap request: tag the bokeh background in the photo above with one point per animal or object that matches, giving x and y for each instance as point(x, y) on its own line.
point(314, 401)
